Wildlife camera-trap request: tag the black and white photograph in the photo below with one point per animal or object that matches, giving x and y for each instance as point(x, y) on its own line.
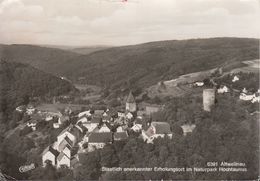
point(129, 90)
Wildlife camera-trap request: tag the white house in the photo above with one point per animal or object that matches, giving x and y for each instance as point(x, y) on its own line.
point(104, 128)
point(56, 125)
point(63, 160)
point(84, 113)
point(246, 97)
point(244, 90)
point(137, 125)
point(49, 154)
point(120, 129)
point(235, 78)
point(156, 129)
point(48, 118)
point(83, 119)
point(188, 128)
point(20, 108)
point(30, 110)
point(121, 114)
point(223, 89)
point(255, 99)
point(32, 124)
point(67, 132)
point(99, 140)
point(129, 115)
point(199, 84)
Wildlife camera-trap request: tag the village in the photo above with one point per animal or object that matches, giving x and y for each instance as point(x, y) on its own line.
point(95, 128)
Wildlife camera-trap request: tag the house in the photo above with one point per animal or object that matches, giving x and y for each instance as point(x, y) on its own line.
point(256, 98)
point(130, 103)
point(30, 110)
point(48, 118)
point(68, 132)
point(84, 119)
point(63, 160)
point(49, 154)
point(21, 108)
point(66, 142)
point(188, 128)
point(150, 109)
point(156, 129)
point(99, 140)
point(129, 115)
point(141, 114)
point(121, 114)
point(120, 129)
point(235, 78)
point(63, 119)
point(84, 113)
point(99, 112)
point(223, 89)
point(120, 136)
point(198, 84)
point(246, 97)
point(111, 113)
point(93, 123)
point(104, 128)
point(32, 124)
point(244, 91)
point(137, 127)
point(74, 162)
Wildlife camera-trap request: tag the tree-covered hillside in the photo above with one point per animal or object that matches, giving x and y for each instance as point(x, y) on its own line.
point(137, 65)
point(19, 82)
point(146, 64)
point(49, 60)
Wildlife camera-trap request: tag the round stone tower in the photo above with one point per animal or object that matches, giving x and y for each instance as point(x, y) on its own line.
point(209, 96)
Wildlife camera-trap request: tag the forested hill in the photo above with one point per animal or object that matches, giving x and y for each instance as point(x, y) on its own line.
point(18, 82)
point(51, 60)
point(137, 65)
point(146, 64)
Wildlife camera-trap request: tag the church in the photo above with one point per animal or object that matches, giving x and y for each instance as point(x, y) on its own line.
point(131, 104)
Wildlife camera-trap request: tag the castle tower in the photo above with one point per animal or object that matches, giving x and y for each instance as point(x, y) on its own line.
point(130, 103)
point(208, 99)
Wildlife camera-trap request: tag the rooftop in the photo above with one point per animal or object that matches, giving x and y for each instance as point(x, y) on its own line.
point(130, 98)
point(103, 137)
point(53, 151)
point(120, 135)
point(161, 127)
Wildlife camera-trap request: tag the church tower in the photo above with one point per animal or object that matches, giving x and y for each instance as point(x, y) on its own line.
point(130, 103)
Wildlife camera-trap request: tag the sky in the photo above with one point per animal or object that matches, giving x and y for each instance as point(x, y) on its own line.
point(114, 22)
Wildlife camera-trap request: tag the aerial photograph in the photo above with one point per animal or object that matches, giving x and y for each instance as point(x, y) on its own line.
point(129, 90)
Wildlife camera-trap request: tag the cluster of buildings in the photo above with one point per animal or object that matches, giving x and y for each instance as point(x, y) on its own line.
point(96, 128)
point(35, 115)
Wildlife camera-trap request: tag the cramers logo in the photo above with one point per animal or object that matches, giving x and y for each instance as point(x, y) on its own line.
point(26, 168)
